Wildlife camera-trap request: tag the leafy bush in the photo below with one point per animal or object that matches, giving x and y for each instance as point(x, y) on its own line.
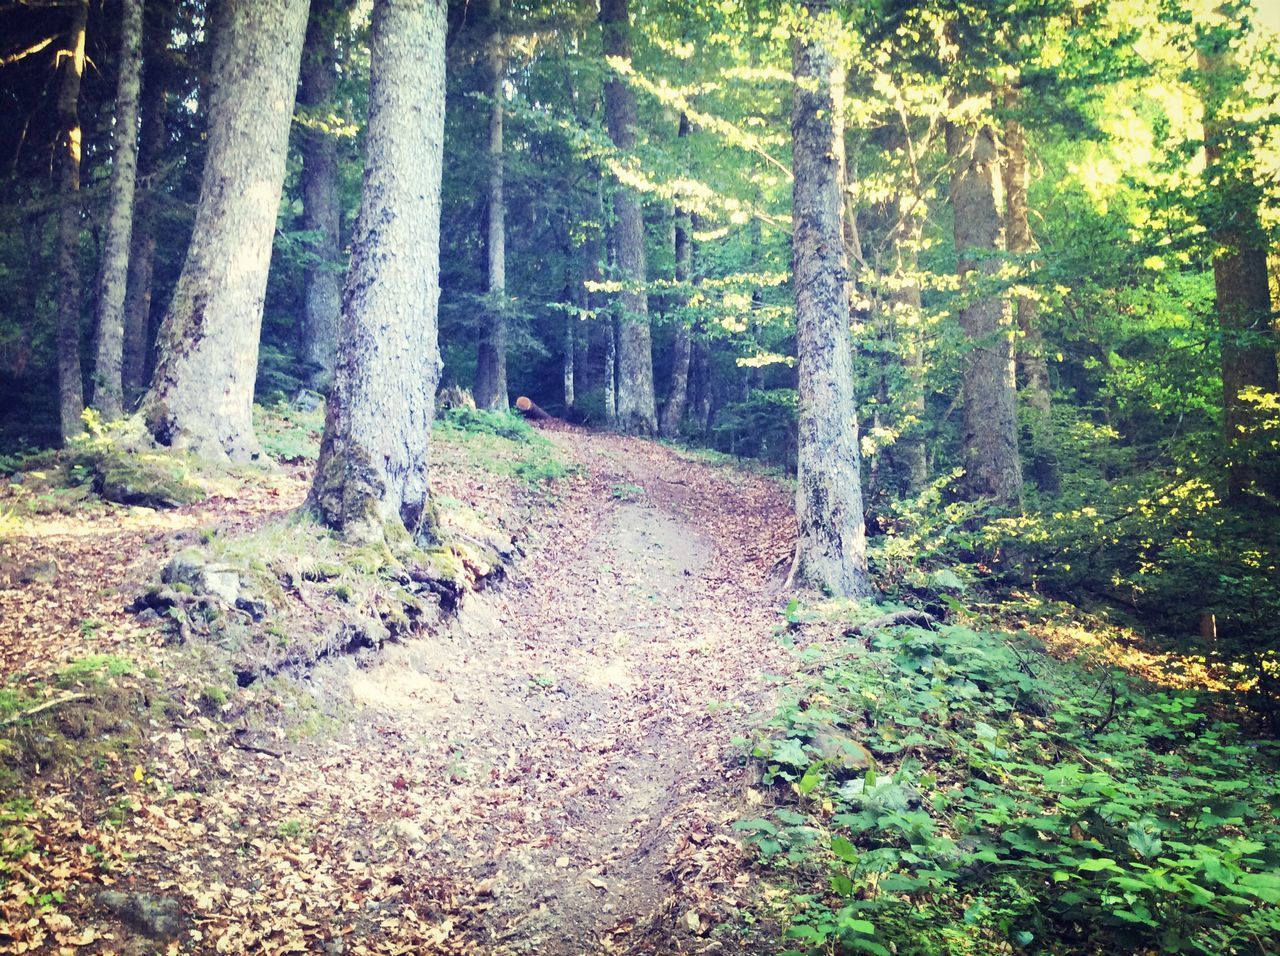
point(1016, 801)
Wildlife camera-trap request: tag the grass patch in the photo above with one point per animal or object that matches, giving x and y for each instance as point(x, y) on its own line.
point(289, 432)
point(501, 443)
point(1014, 800)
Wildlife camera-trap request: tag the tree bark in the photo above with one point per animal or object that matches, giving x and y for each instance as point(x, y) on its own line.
point(993, 469)
point(491, 355)
point(1242, 290)
point(682, 349)
point(1032, 366)
point(70, 376)
point(142, 251)
point(321, 204)
point(201, 395)
point(108, 370)
point(372, 479)
point(831, 546)
point(637, 407)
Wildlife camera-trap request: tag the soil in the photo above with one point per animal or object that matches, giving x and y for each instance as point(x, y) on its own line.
point(559, 773)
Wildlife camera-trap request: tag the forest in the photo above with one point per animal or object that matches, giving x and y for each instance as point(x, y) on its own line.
point(640, 476)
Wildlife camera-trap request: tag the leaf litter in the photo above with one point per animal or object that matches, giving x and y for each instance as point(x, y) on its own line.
point(554, 774)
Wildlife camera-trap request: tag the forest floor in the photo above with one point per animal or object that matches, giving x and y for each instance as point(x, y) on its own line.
point(557, 772)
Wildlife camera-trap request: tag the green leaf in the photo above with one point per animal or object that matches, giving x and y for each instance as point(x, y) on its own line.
point(842, 848)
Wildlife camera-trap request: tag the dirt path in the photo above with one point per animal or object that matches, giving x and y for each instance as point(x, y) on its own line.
point(557, 776)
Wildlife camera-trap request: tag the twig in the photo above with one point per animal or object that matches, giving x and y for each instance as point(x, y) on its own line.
point(254, 749)
point(47, 705)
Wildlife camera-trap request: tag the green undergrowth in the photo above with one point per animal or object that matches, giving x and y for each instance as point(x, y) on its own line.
point(500, 443)
point(1011, 802)
point(115, 462)
point(290, 431)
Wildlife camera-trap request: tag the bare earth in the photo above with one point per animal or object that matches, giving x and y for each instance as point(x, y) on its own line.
point(555, 775)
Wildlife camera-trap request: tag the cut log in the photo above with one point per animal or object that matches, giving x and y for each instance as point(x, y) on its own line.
point(530, 410)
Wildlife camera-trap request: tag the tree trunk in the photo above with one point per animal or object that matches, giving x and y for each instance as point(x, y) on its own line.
point(1031, 363)
point(70, 376)
point(637, 408)
point(142, 251)
point(108, 370)
point(372, 480)
point(831, 547)
point(903, 301)
point(1242, 291)
point(678, 394)
point(992, 467)
point(201, 395)
point(491, 355)
point(321, 204)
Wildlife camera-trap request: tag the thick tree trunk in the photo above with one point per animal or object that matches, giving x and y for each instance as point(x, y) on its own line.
point(1032, 366)
point(321, 204)
point(201, 395)
point(831, 547)
point(372, 479)
point(70, 376)
point(992, 467)
point(1242, 290)
point(491, 356)
point(108, 370)
point(637, 407)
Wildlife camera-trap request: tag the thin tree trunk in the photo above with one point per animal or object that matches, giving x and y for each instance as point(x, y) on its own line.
point(574, 299)
point(372, 480)
point(108, 370)
point(677, 397)
point(637, 407)
point(201, 395)
point(137, 303)
point(1242, 290)
point(992, 467)
point(831, 546)
point(1032, 366)
point(491, 355)
point(70, 376)
point(321, 204)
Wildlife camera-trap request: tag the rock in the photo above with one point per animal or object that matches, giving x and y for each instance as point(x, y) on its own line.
point(159, 917)
point(841, 751)
point(41, 572)
point(129, 479)
point(190, 567)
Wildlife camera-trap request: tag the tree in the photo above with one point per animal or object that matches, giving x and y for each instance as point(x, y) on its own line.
point(831, 545)
point(201, 394)
point(69, 148)
point(321, 203)
point(142, 249)
point(108, 370)
point(682, 348)
point(1030, 354)
point(637, 408)
point(1241, 286)
point(372, 477)
point(491, 355)
point(993, 469)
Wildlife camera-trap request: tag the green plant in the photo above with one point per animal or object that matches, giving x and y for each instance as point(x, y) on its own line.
point(1017, 800)
point(626, 491)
